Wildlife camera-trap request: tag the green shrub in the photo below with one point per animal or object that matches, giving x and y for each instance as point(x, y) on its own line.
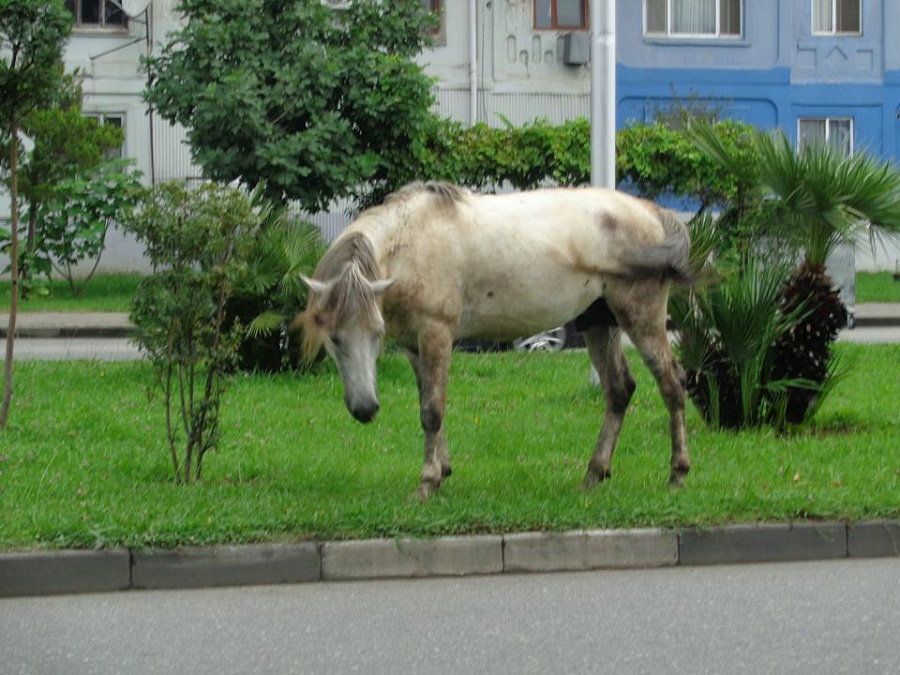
point(197, 240)
point(75, 217)
point(653, 159)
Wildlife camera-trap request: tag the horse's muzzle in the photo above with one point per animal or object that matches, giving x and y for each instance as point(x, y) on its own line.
point(364, 413)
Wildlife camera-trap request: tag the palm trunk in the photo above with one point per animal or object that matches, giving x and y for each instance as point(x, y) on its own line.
point(805, 352)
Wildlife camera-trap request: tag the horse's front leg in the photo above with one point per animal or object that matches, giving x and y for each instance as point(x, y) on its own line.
point(431, 363)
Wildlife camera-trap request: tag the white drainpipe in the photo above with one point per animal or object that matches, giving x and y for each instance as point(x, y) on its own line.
point(603, 93)
point(473, 61)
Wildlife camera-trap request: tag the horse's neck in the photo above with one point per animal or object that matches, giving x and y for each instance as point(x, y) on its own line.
point(384, 234)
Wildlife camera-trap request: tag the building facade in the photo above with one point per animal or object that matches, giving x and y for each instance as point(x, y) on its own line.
point(819, 69)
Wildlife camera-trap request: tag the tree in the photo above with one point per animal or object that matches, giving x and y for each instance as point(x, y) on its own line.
point(315, 102)
point(67, 147)
point(32, 36)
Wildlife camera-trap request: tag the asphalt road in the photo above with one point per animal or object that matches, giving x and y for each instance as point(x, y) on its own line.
point(799, 618)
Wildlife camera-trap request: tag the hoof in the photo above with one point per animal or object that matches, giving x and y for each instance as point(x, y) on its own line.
point(676, 478)
point(428, 486)
point(425, 490)
point(593, 478)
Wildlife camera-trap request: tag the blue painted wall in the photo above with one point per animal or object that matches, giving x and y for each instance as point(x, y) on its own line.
point(775, 73)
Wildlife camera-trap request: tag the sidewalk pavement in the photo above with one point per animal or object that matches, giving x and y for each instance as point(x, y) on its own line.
point(69, 325)
point(52, 572)
point(117, 325)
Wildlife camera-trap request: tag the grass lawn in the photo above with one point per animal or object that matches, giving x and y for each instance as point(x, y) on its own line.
point(877, 287)
point(103, 293)
point(84, 462)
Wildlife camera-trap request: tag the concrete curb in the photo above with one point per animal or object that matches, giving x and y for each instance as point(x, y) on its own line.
point(58, 572)
point(873, 315)
point(225, 566)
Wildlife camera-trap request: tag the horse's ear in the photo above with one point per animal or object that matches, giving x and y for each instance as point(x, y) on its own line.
point(315, 285)
point(379, 287)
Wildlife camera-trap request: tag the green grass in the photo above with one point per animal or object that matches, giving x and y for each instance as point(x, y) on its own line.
point(877, 287)
point(84, 463)
point(103, 293)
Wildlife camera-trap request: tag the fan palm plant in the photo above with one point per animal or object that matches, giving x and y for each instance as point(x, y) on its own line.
point(824, 196)
point(727, 329)
point(812, 200)
point(270, 291)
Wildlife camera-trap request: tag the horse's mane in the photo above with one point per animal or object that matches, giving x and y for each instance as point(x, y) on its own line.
point(352, 248)
point(350, 267)
point(445, 194)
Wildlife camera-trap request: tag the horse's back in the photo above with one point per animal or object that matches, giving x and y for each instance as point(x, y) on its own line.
point(510, 265)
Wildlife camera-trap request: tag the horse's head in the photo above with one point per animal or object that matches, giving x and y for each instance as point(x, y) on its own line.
point(343, 314)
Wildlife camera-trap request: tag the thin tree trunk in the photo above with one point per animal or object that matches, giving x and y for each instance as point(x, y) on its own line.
point(29, 250)
point(14, 273)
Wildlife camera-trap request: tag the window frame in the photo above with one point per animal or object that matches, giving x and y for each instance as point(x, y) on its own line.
point(75, 7)
point(670, 34)
point(554, 17)
point(828, 120)
point(835, 13)
point(439, 33)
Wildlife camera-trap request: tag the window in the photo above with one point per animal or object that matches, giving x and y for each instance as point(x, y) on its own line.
point(116, 120)
point(693, 18)
point(560, 14)
point(97, 13)
point(836, 132)
point(436, 7)
point(836, 17)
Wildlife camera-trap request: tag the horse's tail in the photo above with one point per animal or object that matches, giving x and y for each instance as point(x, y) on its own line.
point(669, 259)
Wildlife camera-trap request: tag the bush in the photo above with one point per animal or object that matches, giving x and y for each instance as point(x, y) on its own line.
point(197, 240)
point(75, 217)
point(651, 159)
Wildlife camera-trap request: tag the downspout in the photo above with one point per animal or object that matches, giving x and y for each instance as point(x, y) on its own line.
point(473, 61)
point(148, 17)
point(603, 93)
point(603, 102)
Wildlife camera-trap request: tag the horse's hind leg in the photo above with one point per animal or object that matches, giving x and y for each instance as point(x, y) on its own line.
point(644, 320)
point(431, 364)
point(605, 349)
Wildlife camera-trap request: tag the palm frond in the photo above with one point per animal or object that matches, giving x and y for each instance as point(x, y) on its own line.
point(265, 324)
point(728, 156)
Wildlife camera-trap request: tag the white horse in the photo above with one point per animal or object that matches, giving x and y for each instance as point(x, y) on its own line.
point(436, 263)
